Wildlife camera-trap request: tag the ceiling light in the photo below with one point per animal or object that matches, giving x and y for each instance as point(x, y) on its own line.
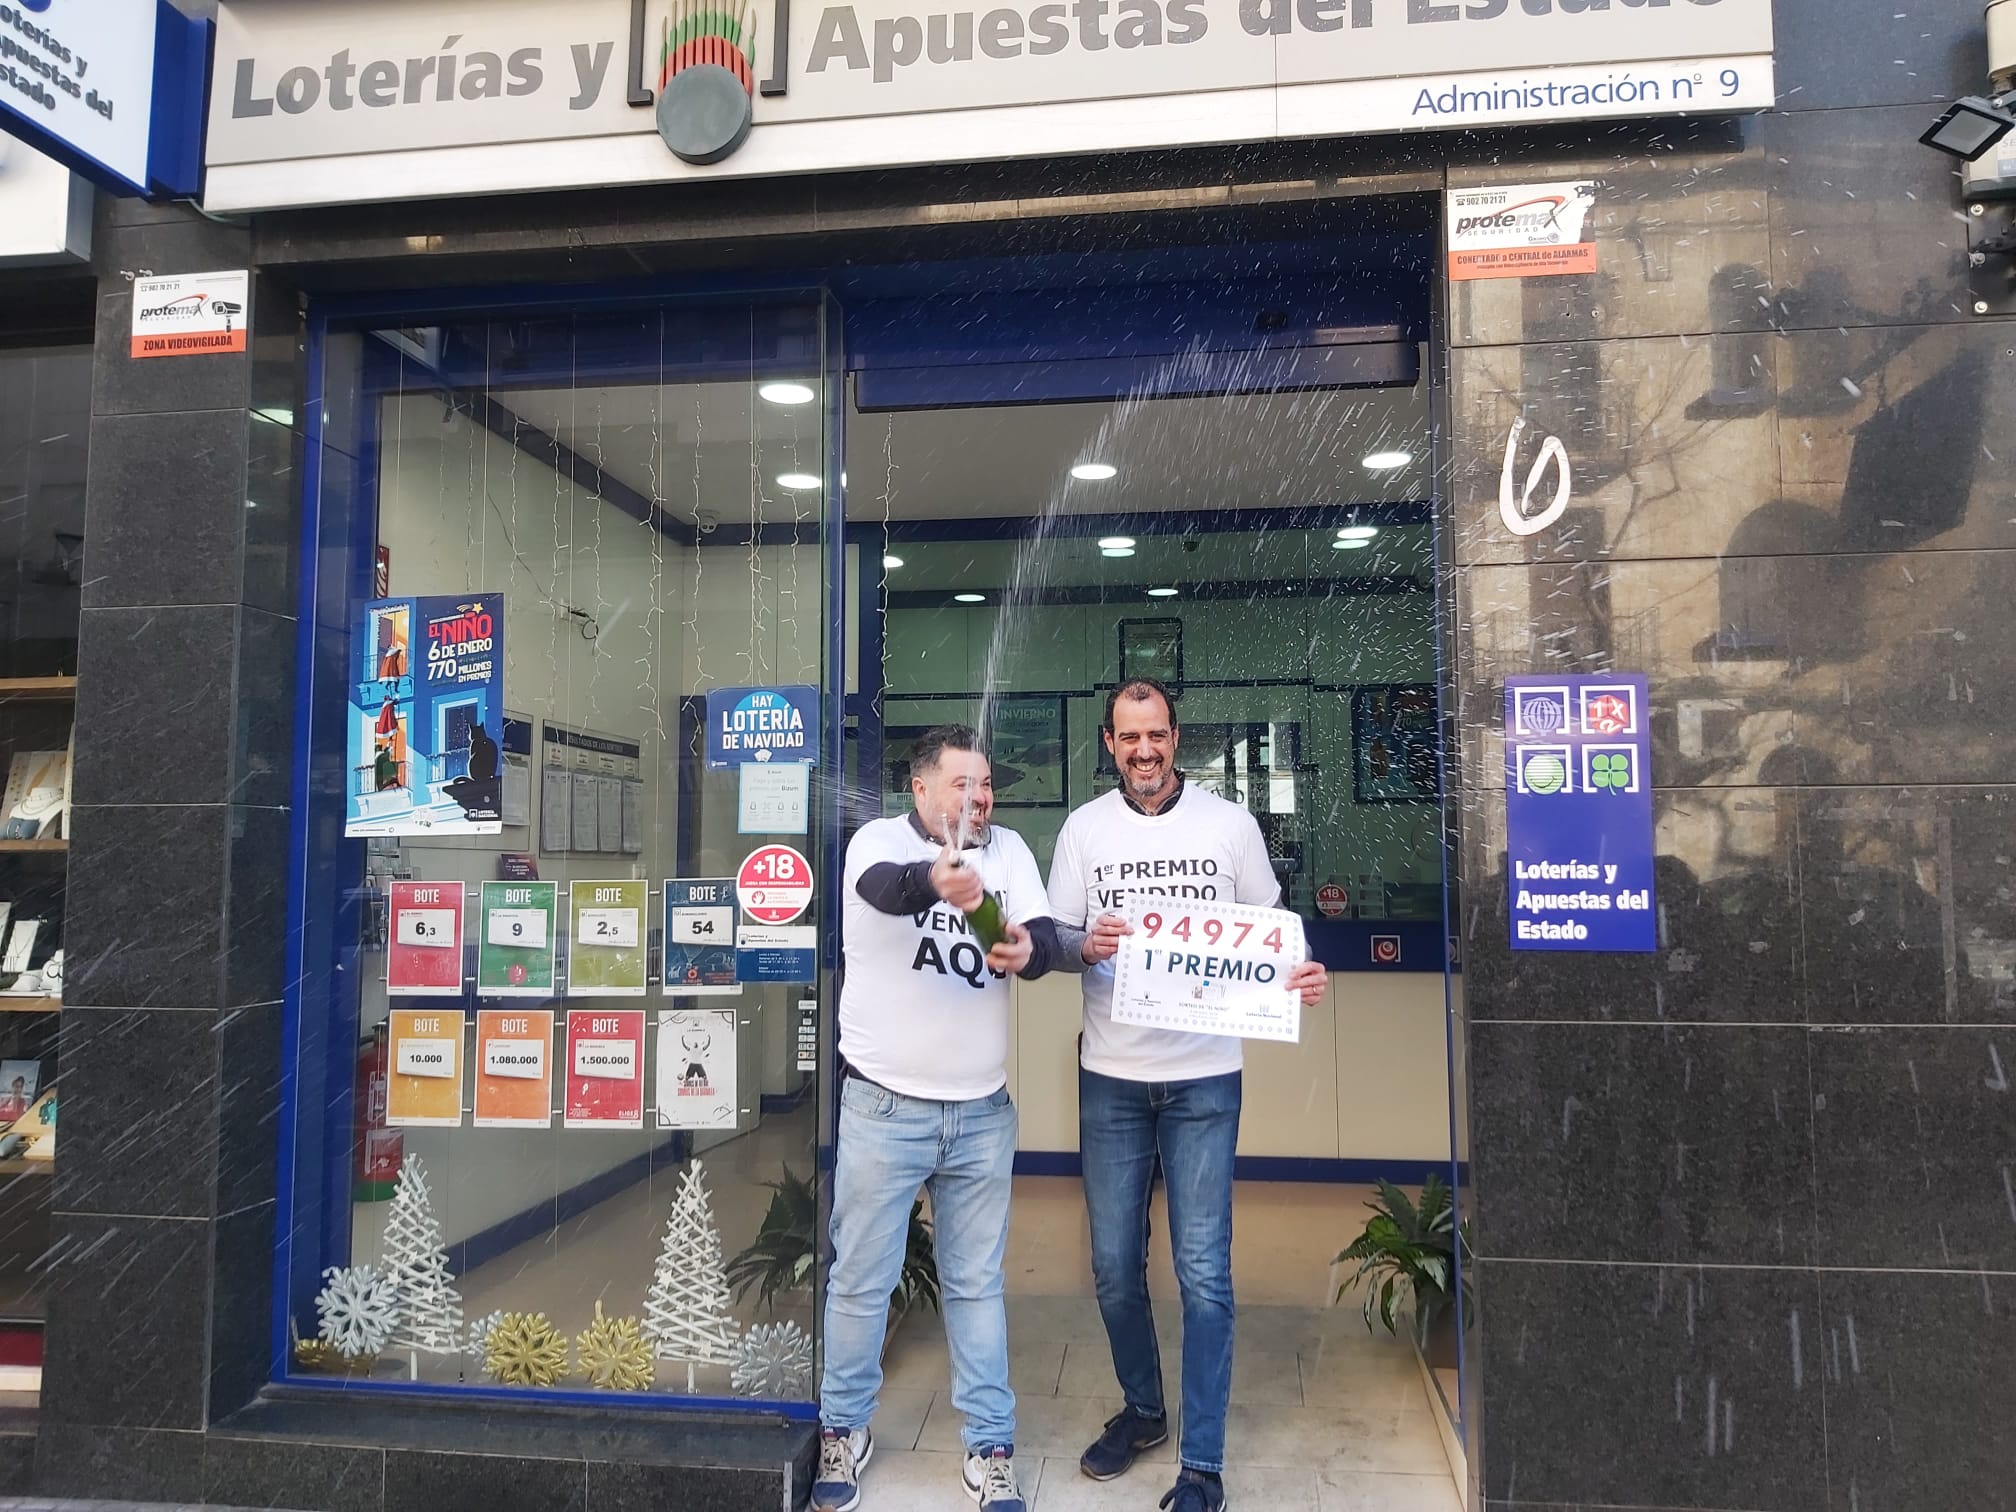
point(1094, 472)
point(1161, 593)
point(1116, 551)
point(788, 393)
point(797, 480)
point(1386, 461)
point(1116, 543)
point(1357, 532)
point(969, 598)
point(890, 563)
point(1340, 544)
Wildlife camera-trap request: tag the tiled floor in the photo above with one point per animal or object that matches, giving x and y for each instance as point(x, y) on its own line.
point(1324, 1417)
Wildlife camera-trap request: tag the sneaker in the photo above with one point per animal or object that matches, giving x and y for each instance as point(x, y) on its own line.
point(842, 1458)
point(1194, 1491)
point(990, 1479)
point(1127, 1435)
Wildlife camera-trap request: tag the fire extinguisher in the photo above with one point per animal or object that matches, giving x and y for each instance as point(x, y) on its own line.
point(379, 1150)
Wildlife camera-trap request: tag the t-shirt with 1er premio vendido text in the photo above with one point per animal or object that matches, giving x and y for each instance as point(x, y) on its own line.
point(1200, 846)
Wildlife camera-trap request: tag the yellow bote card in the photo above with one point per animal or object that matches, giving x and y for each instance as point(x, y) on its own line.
point(425, 1089)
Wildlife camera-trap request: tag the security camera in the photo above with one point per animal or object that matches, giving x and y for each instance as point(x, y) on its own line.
point(227, 309)
point(706, 522)
point(1972, 127)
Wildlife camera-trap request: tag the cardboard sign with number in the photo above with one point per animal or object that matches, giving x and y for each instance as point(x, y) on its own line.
point(424, 1085)
point(516, 939)
point(774, 885)
point(605, 947)
point(423, 956)
point(514, 1068)
point(605, 1068)
point(1209, 968)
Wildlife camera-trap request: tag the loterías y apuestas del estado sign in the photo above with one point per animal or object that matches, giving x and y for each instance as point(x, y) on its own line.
point(310, 96)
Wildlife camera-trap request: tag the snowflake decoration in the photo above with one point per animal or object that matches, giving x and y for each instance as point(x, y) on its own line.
point(613, 1354)
point(524, 1349)
point(358, 1309)
point(773, 1361)
point(479, 1336)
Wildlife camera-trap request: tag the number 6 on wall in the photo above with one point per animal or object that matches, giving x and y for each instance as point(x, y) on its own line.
point(1515, 515)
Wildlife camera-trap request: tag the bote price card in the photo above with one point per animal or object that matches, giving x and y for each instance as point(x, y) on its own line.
point(1209, 968)
point(605, 1068)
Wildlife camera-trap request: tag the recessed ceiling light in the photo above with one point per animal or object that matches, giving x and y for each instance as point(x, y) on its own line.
point(969, 598)
point(1094, 472)
point(1357, 532)
point(1340, 544)
point(889, 563)
point(1161, 593)
point(788, 393)
point(1116, 551)
point(1386, 461)
point(1116, 543)
point(797, 480)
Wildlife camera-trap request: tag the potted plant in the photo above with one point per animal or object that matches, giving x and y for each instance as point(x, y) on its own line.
point(786, 1247)
point(1412, 1252)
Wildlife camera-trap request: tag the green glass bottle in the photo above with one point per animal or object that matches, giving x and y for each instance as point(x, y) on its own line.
point(989, 928)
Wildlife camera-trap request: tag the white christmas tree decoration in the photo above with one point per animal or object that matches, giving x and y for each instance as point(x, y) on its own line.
point(686, 1313)
point(430, 1311)
point(358, 1309)
point(773, 1361)
point(479, 1335)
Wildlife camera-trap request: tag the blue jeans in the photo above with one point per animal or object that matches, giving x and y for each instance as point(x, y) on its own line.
point(1194, 1127)
point(964, 1153)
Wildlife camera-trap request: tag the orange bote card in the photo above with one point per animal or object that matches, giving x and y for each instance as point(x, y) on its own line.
point(425, 1086)
point(514, 1068)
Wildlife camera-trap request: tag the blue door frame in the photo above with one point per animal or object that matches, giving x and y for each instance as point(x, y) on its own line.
point(890, 346)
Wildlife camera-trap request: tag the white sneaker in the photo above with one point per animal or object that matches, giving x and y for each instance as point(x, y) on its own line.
point(842, 1458)
point(990, 1479)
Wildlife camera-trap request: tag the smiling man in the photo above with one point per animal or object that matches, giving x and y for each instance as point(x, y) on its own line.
point(1148, 1094)
point(924, 1103)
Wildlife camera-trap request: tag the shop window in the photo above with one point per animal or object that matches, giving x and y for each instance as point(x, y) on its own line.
point(544, 1103)
point(45, 417)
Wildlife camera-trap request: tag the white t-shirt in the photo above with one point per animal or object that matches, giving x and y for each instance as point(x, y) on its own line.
point(1200, 846)
point(919, 1010)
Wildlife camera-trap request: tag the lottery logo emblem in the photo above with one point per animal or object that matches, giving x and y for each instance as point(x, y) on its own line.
point(1539, 711)
point(1386, 950)
point(517, 975)
point(1610, 711)
point(1610, 769)
point(1543, 770)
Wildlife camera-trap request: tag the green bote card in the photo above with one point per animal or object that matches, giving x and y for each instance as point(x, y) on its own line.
point(605, 946)
point(514, 949)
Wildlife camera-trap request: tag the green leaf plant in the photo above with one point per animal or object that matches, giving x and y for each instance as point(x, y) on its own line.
point(786, 1248)
point(1409, 1252)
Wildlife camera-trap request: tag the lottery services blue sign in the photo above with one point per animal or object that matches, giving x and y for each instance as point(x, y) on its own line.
point(762, 724)
point(1578, 813)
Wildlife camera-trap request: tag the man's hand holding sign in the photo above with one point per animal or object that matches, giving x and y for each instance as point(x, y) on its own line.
point(1206, 967)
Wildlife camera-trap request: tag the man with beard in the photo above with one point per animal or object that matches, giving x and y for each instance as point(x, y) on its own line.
point(924, 1103)
point(1149, 1097)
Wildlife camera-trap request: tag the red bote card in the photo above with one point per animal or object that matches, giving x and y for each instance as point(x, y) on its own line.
point(423, 956)
point(605, 1068)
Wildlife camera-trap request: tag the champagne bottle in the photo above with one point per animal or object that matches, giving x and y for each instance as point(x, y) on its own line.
point(989, 928)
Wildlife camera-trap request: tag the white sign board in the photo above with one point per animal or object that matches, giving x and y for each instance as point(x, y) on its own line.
point(1209, 968)
point(45, 209)
point(191, 314)
point(696, 1068)
point(82, 72)
point(1522, 231)
point(309, 96)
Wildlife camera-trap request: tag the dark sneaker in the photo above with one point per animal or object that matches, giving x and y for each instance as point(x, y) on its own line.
point(1194, 1491)
point(990, 1479)
point(842, 1458)
point(1127, 1435)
